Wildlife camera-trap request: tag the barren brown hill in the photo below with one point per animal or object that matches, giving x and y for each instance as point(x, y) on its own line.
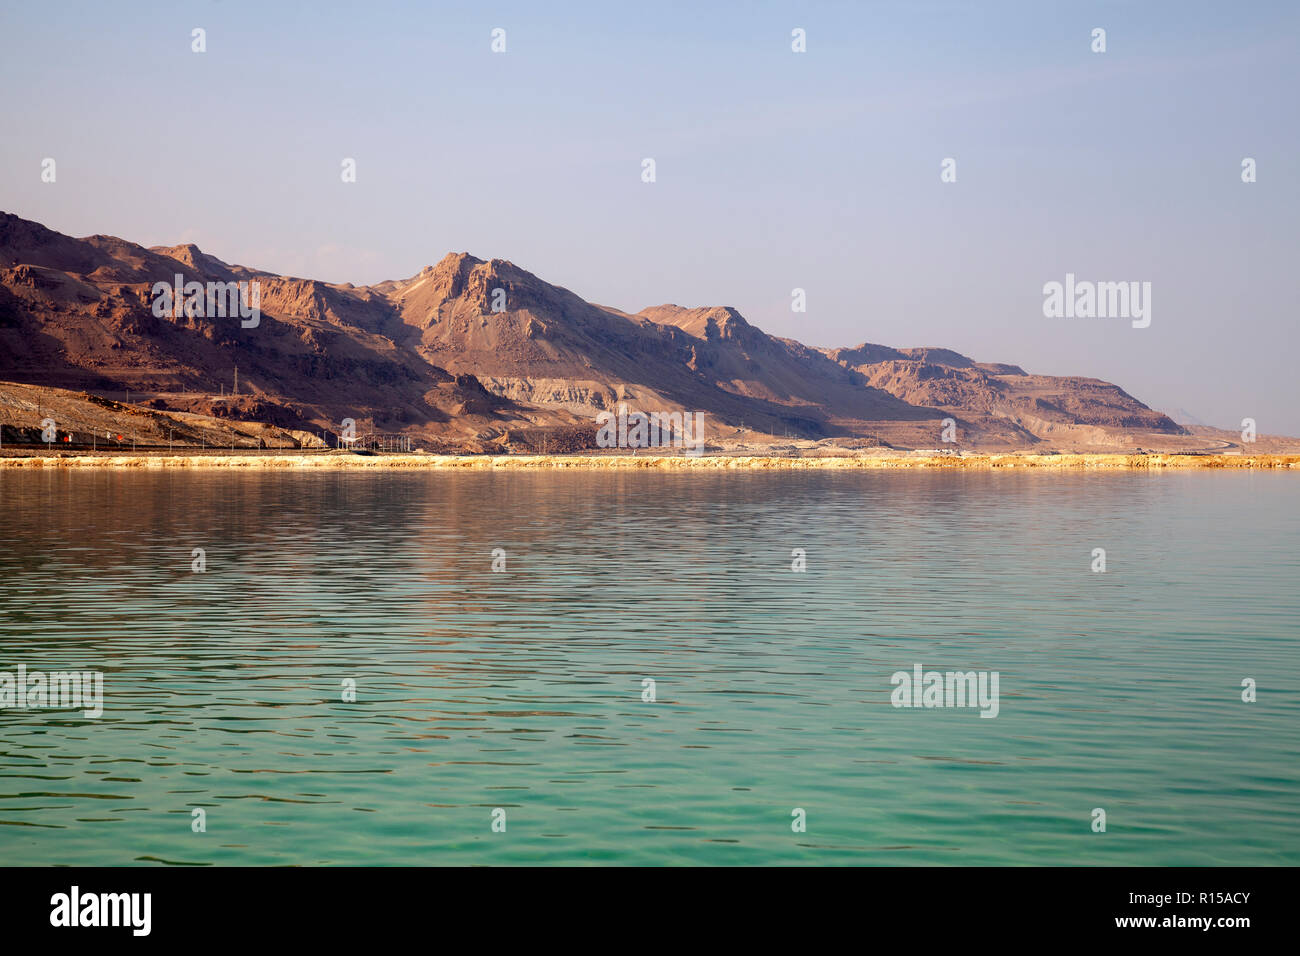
point(549, 347)
point(481, 354)
point(83, 421)
point(1043, 406)
point(77, 314)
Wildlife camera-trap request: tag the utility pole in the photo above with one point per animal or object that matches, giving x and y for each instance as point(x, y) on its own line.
point(236, 391)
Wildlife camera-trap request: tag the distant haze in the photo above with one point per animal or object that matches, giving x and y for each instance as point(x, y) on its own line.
point(775, 170)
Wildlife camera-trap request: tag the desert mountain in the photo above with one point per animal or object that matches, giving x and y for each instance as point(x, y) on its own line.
point(1041, 406)
point(480, 354)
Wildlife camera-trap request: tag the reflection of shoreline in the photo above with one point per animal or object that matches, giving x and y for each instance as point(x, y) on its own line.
point(1058, 462)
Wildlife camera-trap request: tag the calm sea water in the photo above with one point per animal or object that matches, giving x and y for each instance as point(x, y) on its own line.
point(522, 690)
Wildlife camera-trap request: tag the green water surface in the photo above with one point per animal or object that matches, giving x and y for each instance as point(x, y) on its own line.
point(523, 690)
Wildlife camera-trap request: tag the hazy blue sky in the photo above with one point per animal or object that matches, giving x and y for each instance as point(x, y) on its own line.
point(775, 170)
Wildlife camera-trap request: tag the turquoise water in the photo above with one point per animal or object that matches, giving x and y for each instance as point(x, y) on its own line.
point(522, 690)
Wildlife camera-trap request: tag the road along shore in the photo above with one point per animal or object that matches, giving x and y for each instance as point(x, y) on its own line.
point(310, 462)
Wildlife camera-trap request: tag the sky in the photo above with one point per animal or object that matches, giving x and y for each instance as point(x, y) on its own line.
point(774, 170)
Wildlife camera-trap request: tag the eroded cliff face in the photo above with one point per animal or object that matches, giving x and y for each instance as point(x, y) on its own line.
point(1040, 404)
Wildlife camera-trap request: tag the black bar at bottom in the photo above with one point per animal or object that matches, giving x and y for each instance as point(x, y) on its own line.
point(335, 905)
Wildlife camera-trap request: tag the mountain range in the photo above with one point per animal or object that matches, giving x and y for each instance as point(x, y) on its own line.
point(481, 355)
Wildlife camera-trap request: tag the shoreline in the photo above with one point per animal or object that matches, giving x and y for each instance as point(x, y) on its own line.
point(977, 462)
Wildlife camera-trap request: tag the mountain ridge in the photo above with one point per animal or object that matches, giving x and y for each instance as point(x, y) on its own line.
point(472, 351)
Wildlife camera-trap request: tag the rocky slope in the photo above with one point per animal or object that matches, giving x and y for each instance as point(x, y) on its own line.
point(482, 355)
